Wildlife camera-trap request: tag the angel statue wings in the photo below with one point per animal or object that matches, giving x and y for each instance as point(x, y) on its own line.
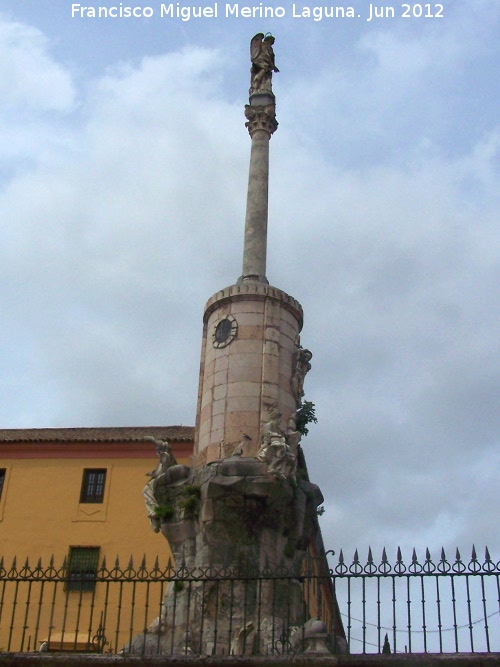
point(262, 57)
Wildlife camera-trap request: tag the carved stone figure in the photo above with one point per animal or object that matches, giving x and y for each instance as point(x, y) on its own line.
point(301, 366)
point(280, 459)
point(241, 644)
point(262, 57)
point(271, 429)
point(165, 456)
point(279, 450)
point(166, 461)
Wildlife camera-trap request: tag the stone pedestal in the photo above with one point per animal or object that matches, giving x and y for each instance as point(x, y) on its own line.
point(238, 533)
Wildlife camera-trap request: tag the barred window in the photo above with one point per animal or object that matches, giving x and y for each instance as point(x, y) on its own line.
point(3, 472)
point(93, 482)
point(82, 568)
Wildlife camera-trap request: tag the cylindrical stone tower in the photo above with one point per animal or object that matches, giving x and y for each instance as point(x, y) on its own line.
point(251, 363)
point(250, 338)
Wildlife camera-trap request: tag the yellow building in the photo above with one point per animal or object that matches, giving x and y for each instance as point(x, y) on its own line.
point(75, 494)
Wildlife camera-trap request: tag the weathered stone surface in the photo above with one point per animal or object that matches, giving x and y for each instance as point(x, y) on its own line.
point(175, 474)
point(241, 467)
point(232, 513)
point(178, 532)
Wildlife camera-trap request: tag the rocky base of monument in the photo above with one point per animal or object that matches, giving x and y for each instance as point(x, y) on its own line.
point(239, 533)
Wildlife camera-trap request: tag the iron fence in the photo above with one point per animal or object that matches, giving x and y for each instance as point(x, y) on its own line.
point(159, 610)
point(430, 606)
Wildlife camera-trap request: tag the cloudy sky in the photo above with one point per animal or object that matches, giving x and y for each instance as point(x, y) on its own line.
point(123, 169)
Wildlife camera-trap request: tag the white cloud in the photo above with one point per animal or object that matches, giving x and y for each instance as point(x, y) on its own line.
point(29, 76)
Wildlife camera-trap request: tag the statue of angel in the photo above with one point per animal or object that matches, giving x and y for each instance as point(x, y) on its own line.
point(166, 461)
point(262, 57)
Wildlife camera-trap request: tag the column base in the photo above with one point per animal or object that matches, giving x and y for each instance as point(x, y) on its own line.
point(254, 278)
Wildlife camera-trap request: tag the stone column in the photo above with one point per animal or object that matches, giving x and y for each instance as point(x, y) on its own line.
point(261, 117)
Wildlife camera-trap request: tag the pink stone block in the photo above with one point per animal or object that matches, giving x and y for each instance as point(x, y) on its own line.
point(289, 318)
point(288, 335)
point(287, 402)
point(243, 404)
point(272, 317)
point(271, 367)
point(238, 423)
point(271, 348)
point(205, 427)
point(249, 319)
point(243, 389)
point(272, 334)
point(250, 332)
point(206, 398)
point(220, 391)
point(209, 369)
point(219, 407)
point(222, 363)
point(213, 453)
point(210, 354)
point(208, 383)
point(217, 435)
point(206, 413)
point(245, 347)
point(220, 378)
point(248, 307)
point(270, 393)
point(246, 369)
point(218, 421)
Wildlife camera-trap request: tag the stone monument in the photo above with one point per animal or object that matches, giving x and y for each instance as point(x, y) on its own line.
point(243, 505)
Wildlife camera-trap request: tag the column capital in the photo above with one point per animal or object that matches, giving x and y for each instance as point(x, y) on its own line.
point(261, 117)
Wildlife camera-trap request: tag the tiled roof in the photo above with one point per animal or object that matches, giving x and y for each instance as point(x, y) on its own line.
point(98, 434)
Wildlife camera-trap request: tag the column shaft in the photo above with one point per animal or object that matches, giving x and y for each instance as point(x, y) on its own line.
point(255, 244)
